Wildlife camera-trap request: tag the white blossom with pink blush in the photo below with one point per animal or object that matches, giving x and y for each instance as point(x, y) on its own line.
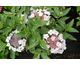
point(42, 13)
point(55, 32)
point(60, 37)
point(52, 38)
point(50, 32)
point(45, 36)
point(32, 15)
point(48, 46)
point(55, 42)
point(21, 45)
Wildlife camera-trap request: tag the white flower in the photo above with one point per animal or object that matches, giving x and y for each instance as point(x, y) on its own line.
point(40, 14)
point(23, 44)
point(21, 47)
point(45, 36)
point(52, 38)
point(10, 47)
point(60, 37)
point(64, 42)
point(8, 44)
point(7, 39)
point(16, 31)
point(53, 50)
point(46, 18)
point(20, 41)
point(59, 44)
point(32, 15)
point(48, 46)
point(18, 50)
point(46, 12)
point(55, 32)
point(11, 34)
point(50, 32)
point(60, 51)
point(24, 40)
point(14, 49)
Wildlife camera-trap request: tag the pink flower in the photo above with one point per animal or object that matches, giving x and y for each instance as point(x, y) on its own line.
point(0, 8)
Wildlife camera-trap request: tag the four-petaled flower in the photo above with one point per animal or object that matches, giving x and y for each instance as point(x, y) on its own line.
point(45, 36)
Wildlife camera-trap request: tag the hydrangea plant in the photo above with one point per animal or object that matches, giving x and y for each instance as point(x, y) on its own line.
point(40, 29)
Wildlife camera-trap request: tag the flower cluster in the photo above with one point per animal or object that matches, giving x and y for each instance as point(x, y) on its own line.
point(15, 43)
point(0, 8)
point(44, 14)
point(55, 41)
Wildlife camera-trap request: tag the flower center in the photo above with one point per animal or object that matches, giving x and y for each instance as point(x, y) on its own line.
point(51, 42)
point(14, 41)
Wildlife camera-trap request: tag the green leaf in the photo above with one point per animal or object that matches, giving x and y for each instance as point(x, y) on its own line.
point(55, 15)
point(1, 55)
point(65, 35)
point(43, 23)
point(9, 13)
point(1, 24)
point(43, 44)
point(61, 21)
point(17, 19)
point(16, 53)
point(38, 19)
point(20, 35)
point(27, 10)
point(59, 28)
point(78, 23)
point(64, 12)
point(56, 10)
point(7, 30)
point(26, 29)
point(32, 21)
point(36, 56)
point(44, 56)
point(5, 18)
point(49, 6)
point(12, 54)
point(78, 8)
point(6, 51)
point(17, 8)
point(78, 18)
point(32, 50)
point(70, 24)
point(2, 37)
point(66, 27)
point(35, 34)
point(35, 27)
point(44, 30)
point(71, 37)
point(33, 44)
point(20, 27)
point(73, 30)
point(12, 23)
point(13, 9)
point(2, 45)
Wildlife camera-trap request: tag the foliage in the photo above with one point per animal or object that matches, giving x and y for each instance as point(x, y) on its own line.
point(33, 30)
point(78, 11)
